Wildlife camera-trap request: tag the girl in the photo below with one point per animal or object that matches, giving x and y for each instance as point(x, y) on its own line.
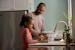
point(26, 24)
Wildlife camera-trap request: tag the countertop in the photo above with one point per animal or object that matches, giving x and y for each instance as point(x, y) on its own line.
point(52, 43)
point(51, 48)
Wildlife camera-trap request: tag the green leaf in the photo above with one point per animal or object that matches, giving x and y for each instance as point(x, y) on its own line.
point(69, 18)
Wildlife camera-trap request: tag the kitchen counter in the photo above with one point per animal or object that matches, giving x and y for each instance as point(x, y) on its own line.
point(51, 48)
point(52, 43)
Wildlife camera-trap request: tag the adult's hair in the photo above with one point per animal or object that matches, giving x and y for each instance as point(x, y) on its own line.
point(25, 19)
point(41, 4)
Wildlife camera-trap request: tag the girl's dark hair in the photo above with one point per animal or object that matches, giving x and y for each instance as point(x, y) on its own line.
point(24, 19)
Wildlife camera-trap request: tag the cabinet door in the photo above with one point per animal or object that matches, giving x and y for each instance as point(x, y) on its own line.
point(5, 5)
point(20, 4)
point(12, 5)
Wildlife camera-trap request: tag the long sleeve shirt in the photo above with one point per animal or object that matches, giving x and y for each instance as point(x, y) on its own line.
point(38, 24)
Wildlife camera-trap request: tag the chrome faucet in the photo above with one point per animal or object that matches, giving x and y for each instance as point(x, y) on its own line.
point(61, 22)
point(66, 32)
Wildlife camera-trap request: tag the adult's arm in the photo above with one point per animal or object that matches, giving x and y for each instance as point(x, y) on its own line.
point(34, 32)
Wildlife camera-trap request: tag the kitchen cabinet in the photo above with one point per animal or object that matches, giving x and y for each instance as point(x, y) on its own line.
point(20, 4)
point(12, 5)
point(5, 5)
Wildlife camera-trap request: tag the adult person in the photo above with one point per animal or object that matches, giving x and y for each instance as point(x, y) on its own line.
point(38, 20)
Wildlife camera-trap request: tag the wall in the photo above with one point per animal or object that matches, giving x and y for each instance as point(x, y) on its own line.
point(54, 12)
point(31, 5)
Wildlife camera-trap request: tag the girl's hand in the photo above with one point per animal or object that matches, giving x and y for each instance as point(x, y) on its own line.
point(44, 35)
point(42, 38)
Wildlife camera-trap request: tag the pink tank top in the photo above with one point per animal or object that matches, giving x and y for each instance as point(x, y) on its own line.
point(29, 36)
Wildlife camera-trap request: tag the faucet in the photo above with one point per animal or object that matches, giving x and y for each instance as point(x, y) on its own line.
point(65, 33)
point(61, 22)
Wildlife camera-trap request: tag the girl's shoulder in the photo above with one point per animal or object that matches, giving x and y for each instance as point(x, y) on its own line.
point(25, 29)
